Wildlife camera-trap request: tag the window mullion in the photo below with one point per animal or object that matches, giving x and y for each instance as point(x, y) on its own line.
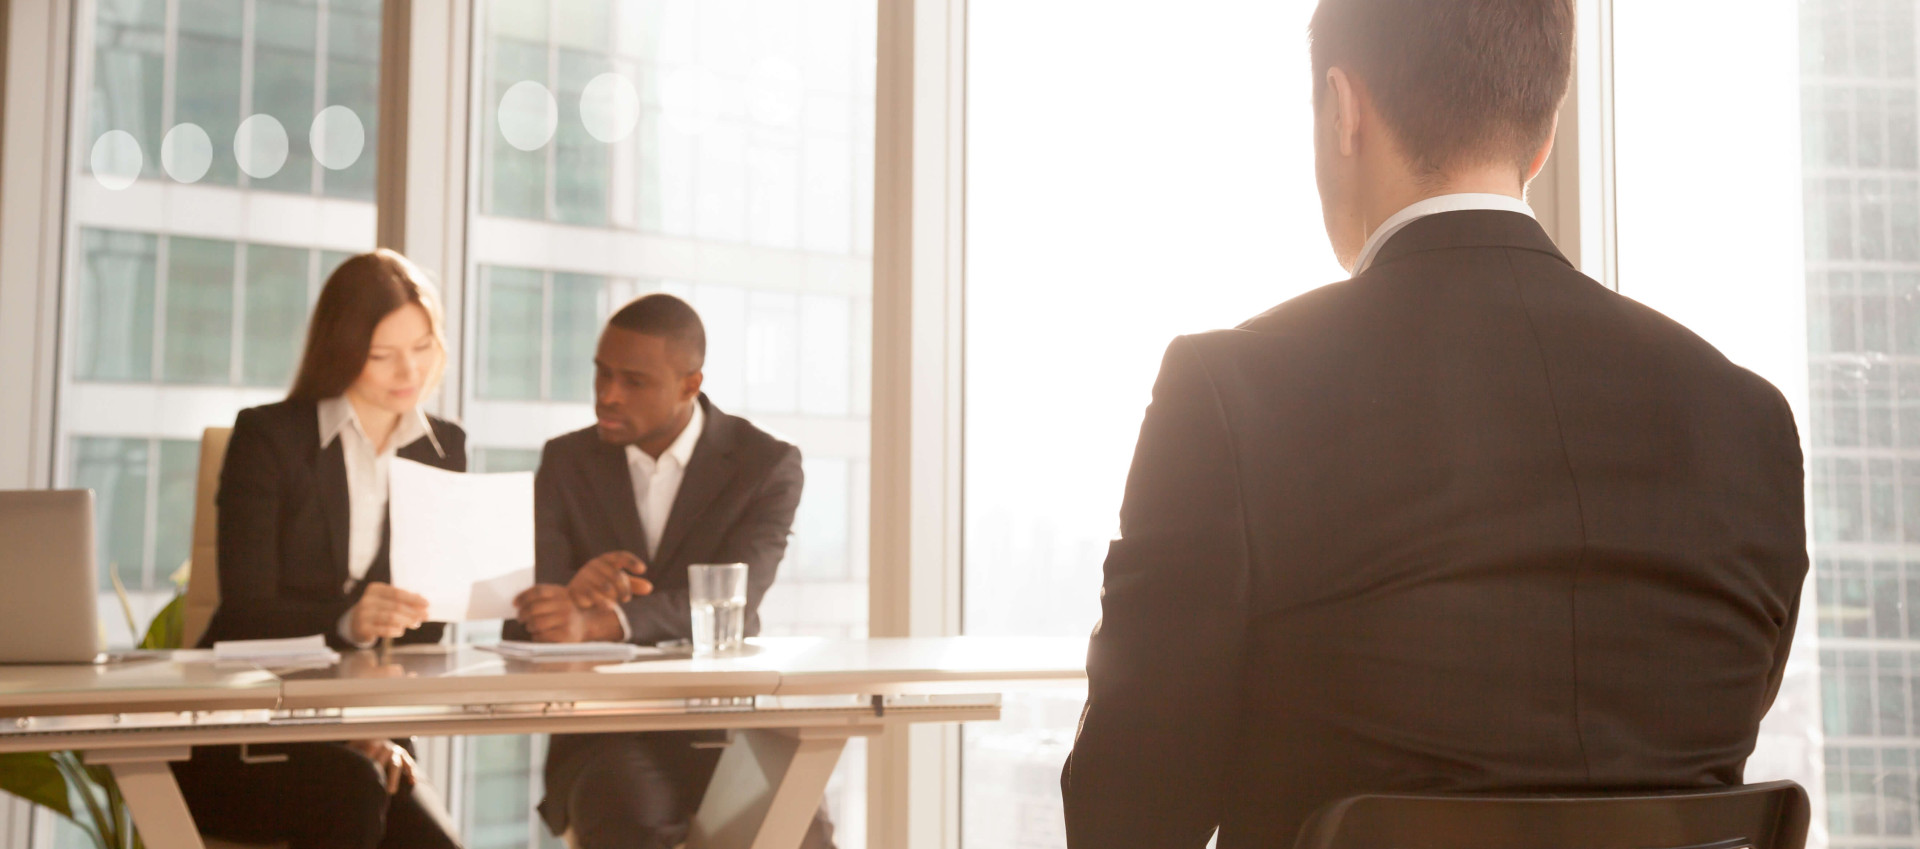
point(162, 258)
point(321, 45)
point(237, 324)
point(547, 284)
point(249, 42)
point(170, 72)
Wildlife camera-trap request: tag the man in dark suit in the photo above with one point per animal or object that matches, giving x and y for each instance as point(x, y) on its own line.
point(1467, 521)
point(663, 480)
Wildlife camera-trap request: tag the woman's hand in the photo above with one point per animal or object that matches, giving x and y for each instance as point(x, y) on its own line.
point(393, 762)
point(385, 611)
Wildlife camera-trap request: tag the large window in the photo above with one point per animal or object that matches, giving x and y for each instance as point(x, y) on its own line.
point(224, 158)
point(1112, 203)
point(720, 152)
point(1128, 178)
point(1794, 253)
point(223, 155)
point(208, 200)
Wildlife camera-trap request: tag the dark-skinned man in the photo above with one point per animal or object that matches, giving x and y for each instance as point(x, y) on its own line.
point(662, 480)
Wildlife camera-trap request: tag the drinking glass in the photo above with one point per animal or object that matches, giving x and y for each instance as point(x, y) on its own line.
point(718, 594)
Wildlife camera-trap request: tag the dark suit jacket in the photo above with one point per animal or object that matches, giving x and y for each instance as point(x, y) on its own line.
point(283, 526)
point(735, 505)
point(1468, 521)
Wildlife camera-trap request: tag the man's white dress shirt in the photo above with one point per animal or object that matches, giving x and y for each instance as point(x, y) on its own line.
point(656, 483)
point(1433, 206)
point(366, 482)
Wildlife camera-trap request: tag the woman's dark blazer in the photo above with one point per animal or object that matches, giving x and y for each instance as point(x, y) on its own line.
point(283, 526)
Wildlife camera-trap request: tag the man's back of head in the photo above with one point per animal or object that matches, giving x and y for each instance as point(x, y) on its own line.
point(1417, 98)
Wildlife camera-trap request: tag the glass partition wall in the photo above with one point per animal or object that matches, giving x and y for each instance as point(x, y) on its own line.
point(722, 152)
point(222, 162)
point(223, 156)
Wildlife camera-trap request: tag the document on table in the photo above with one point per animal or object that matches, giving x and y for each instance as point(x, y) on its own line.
point(465, 542)
point(539, 652)
point(294, 651)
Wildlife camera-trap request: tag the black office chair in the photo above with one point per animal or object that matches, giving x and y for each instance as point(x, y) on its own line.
point(1758, 816)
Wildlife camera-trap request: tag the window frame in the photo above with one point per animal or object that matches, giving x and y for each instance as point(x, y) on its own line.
point(918, 353)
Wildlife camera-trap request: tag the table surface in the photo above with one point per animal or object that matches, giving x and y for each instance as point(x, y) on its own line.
point(776, 666)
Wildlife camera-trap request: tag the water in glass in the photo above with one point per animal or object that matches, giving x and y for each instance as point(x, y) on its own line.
point(718, 597)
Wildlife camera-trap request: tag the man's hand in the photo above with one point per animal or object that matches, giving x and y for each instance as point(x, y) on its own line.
point(551, 616)
point(393, 762)
point(611, 578)
point(385, 611)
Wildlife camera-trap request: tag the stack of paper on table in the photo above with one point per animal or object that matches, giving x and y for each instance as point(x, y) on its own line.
point(295, 651)
point(518, 650)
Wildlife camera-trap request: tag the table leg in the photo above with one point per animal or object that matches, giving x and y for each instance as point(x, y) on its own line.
point(153, 797)
point(767, 787)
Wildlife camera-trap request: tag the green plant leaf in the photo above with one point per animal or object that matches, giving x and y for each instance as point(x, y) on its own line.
point(86, 783)
point(35, 777)
point(52, 779)
point(168, 626)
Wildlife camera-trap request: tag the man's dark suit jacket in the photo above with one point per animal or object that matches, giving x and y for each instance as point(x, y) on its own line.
point(1467, 521)
point(283, 526)
point(736, 504)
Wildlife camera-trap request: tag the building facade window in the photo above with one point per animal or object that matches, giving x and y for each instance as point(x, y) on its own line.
point(1861, 183)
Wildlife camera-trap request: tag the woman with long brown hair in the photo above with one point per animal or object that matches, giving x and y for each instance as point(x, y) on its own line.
point(303, 550)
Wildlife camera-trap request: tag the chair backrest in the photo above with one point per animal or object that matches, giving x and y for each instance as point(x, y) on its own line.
point(203, 579)
point(1761, 816)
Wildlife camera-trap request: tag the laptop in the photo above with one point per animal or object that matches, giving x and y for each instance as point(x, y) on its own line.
point(47, 612)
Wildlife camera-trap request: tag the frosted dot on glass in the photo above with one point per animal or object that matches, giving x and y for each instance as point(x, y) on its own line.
point(260, 146)
point(186, 153)
point(528, 115)
point(116, 159)
point(775, 91)
point(609, 107)
point(338, 137)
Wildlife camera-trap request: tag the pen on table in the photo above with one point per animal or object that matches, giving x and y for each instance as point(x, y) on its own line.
point(382, 649)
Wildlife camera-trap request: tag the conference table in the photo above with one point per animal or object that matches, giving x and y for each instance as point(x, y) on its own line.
point(789, 706)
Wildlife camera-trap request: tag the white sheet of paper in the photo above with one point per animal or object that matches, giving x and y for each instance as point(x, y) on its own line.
point(465, 542)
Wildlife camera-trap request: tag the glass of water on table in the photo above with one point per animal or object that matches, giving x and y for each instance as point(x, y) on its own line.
point(718, 594)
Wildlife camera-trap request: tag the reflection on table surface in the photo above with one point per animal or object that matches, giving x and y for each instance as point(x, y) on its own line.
point(149, 683)
point(783, 666)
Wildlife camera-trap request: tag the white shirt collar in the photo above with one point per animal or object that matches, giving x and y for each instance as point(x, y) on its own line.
point(682, 448)
point(337, 413)
point(1432, 206)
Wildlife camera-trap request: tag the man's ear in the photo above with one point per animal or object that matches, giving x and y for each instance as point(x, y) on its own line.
point(1344, 99)
point(1540, 156)
point(690, 385)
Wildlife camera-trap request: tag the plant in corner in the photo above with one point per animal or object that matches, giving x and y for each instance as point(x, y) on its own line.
point(54, 780)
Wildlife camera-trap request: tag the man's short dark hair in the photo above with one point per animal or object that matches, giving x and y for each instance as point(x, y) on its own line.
point(1460, 83)
point(663, 315)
